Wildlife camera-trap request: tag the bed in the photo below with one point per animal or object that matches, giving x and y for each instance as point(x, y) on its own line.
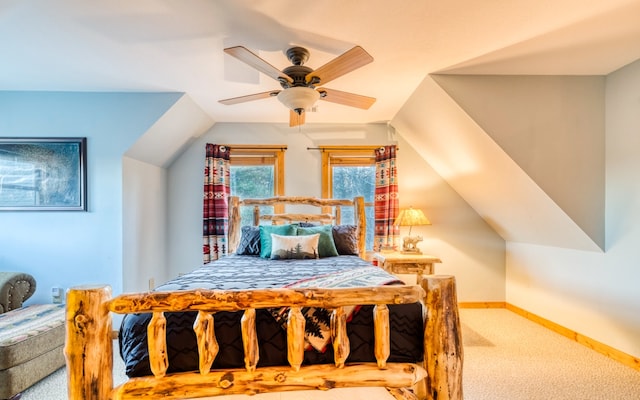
point(273, 318)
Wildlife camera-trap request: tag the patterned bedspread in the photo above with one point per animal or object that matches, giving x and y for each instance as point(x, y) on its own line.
point(250, 272)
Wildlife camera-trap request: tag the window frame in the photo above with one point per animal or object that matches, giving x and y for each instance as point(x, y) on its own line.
point(250, 155)
point(354, 156)
point(345, 156)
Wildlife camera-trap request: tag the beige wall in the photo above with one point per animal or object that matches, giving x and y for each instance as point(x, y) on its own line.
point(552, 172)
point(595, 294)
point(468, 247)
point(144, 226)
point(576, 139)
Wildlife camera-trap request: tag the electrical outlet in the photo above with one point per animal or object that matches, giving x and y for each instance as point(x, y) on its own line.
point(56, 295)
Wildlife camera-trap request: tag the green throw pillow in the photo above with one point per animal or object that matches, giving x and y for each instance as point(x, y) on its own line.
point(265, 236)
point(326, 245)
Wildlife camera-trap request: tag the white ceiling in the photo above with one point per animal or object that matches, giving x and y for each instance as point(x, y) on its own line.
point(177, 45)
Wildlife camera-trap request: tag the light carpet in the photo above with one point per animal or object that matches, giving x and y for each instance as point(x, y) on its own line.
point(506, 357)
point(528, 361)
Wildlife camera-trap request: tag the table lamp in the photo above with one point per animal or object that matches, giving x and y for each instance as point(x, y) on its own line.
point(410, 217)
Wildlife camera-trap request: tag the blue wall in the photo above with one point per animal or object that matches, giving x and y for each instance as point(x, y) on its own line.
point(64, 248)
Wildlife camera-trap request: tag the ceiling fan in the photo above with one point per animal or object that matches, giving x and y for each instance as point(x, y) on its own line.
point(300, 83)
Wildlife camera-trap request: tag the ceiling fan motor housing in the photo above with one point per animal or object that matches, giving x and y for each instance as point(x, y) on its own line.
point(299, 74)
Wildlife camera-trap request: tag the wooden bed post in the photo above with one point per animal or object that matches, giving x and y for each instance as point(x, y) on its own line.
point(234, 224)
point(443, 353)
point(88, 347)
point(360, 220)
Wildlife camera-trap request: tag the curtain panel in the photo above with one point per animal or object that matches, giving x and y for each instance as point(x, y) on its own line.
point(216, 202)
point(386, 234)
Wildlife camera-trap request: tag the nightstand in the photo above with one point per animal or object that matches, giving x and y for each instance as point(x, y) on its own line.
point(399, 263)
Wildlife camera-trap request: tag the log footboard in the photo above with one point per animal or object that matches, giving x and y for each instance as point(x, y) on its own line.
point(88, 348)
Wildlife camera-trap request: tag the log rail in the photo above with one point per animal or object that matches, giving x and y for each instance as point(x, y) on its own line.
point(88, 348)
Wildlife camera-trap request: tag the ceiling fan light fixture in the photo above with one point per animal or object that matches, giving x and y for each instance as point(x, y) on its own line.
point(298, 98)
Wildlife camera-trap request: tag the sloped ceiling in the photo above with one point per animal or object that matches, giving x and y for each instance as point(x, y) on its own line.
point(179, 126)
point(516, 163)
point(177, 46)
point(552, 127)
point(596, 44)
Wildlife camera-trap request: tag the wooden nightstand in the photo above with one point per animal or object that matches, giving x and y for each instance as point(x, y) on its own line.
point(399, 263)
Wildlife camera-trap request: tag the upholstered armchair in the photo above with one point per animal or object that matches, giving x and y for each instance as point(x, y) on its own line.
point(15, 288)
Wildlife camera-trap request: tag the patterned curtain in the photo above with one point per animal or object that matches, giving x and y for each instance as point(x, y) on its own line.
point(386, 199)
point(216, 202)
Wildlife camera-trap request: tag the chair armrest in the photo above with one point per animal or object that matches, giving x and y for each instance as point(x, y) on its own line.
point(15, 288)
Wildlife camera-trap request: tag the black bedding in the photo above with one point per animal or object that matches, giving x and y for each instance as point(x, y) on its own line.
point(251, 272)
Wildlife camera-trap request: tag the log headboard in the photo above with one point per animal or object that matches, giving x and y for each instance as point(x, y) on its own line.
point(330, 212)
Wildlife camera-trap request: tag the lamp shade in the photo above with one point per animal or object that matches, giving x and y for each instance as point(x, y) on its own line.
point(298, 97)
point(411, 217)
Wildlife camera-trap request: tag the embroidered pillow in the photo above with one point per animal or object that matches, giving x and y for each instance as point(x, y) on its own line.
point(326, 246)
point(249, 241)
point(265, 236)
point(294, 247)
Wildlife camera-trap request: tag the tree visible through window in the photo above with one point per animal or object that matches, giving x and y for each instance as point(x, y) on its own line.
point(256, 172)
point(252, 181)
point(349, 172)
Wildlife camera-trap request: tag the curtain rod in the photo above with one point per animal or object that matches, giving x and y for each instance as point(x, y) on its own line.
point(266, 147)
point(347, 148)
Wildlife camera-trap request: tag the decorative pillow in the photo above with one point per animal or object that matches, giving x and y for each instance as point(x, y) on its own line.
point(326, 246)
point(249, 241)
point(294, 247)
point(265, 236)
point(346, 239)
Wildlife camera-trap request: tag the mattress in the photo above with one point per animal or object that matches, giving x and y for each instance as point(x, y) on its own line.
point(236, 272)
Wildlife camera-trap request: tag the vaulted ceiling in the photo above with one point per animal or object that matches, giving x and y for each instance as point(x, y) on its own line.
point(176, 45)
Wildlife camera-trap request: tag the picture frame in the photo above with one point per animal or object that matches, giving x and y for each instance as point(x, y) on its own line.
point(43, 174)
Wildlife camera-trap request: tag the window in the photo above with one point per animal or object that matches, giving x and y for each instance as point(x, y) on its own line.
point(256, 172)
point(348, 172)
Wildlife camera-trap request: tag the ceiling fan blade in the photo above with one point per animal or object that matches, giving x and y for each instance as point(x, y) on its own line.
point(248, 57)
point(295, 119)
point(346, 62)
point(345, 98)
point(251, 97)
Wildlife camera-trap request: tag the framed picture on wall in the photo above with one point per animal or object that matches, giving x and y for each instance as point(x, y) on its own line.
point(43, 174)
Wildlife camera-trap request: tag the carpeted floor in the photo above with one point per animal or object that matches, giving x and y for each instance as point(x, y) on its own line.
point(506, 357)
point(520, 359)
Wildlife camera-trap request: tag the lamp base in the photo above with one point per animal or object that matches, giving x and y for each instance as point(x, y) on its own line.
point(409, 245)
point(413, 252)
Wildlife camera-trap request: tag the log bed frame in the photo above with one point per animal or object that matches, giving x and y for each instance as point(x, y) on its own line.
point(89, 345)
